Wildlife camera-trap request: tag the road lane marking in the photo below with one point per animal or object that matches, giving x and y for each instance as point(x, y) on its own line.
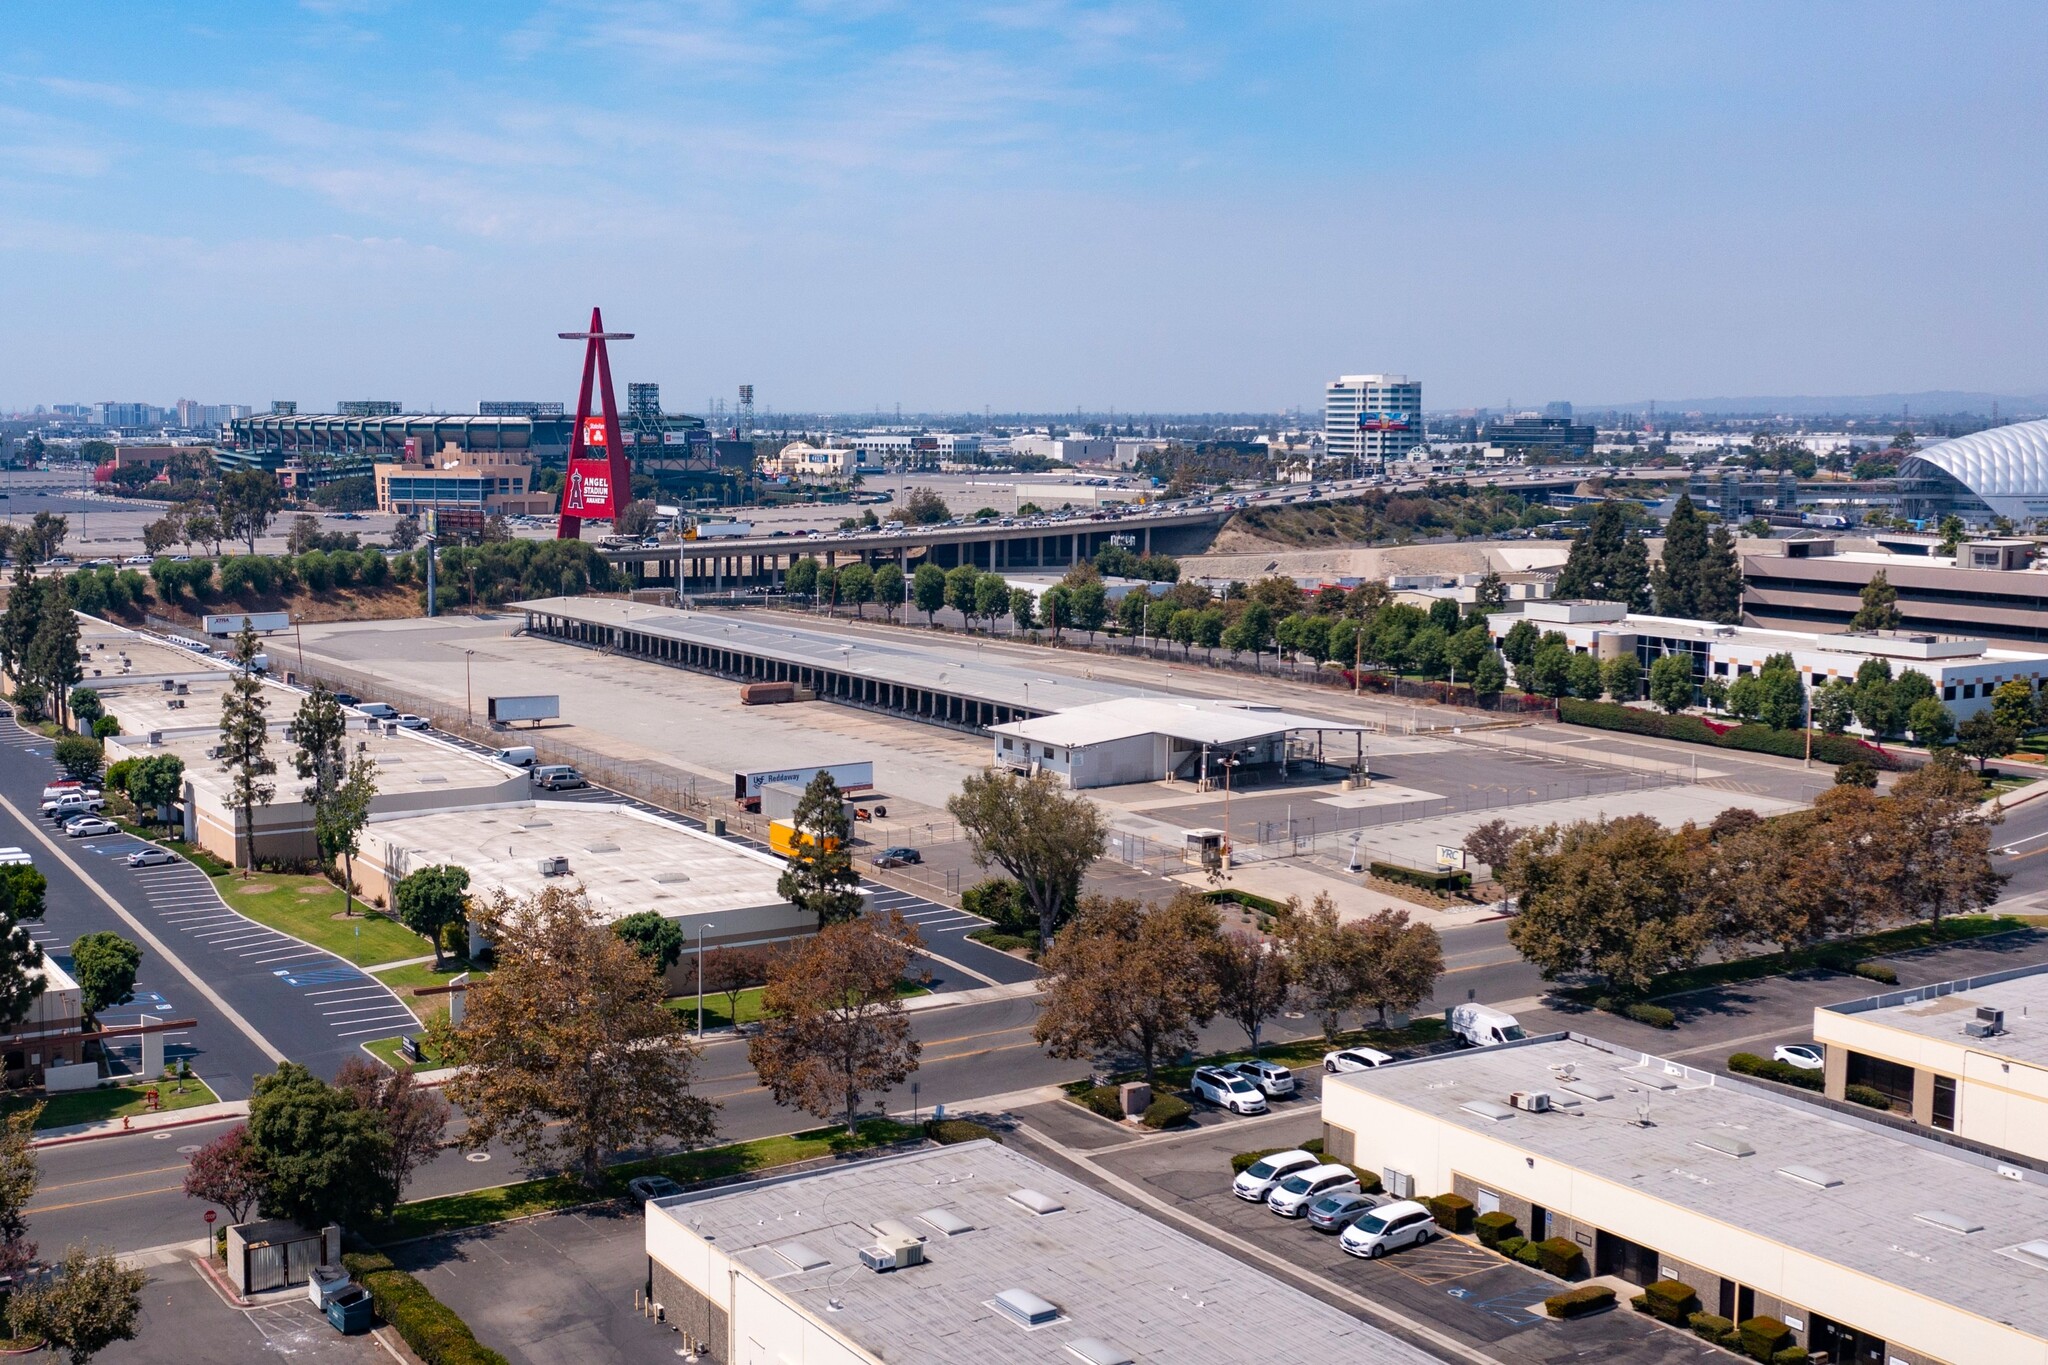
point(101, 1179)
point(109, 1199)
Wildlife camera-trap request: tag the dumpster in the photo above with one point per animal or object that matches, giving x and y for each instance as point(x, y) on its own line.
point(351, 1311)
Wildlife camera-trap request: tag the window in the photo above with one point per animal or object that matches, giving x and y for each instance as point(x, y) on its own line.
point(1009, 743)
point(1949, 693)
point(1891, 1079)
point(1048, 751)
point(1969, 691)
point(1944, 1116)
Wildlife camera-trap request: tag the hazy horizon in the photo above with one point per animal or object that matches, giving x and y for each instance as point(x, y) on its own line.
point(1028, 205)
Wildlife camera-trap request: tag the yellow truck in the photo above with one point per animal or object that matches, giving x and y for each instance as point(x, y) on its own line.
point(784, 839)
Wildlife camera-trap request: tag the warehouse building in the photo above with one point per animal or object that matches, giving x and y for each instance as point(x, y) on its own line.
point(1151, 739)
point(970, 1253)
point(1967, 1057)
point(1868, 1241)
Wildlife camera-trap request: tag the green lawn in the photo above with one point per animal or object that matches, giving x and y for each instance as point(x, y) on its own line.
point(425, 1217)
point(411, 978)
point(305, 907)
point(113, 1102)
point(717, 1012)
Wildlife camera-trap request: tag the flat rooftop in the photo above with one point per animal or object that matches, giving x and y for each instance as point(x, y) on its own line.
point(107, 651)
point(1115, 1274)
point(1198, 721)
point(1941, 1010)
point(626, 860)
point(408, 764)
point(1873, 1220)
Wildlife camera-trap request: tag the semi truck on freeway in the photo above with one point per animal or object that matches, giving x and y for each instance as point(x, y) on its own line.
point(851, 777)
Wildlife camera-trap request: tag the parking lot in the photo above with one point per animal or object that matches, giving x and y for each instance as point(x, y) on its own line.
point(184, 1320)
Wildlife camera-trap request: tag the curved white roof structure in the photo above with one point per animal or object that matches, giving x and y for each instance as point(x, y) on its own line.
point(2006, 467)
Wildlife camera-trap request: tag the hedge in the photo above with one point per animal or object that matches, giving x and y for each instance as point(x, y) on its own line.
point(1441, 880)
point(1453, 1212)
point(1791, 1355)
point(1166, 1111)
point(1672, 1301)
point(945, 1132)
point(1749, 1064)
point(1576, 1303)
point(1104, 1100)
point(1763, 1338)
point(1868, 1096)
point(437, 1336)
point(1265, 905)
point(1529, 1253)
point(1761, 739)
point(1511, 1247)
point(1494, 1228)
point(1709, 1326)
point(1003, 943)
point(1560, 1256)
point(1876, 971)
point(1656, 1016)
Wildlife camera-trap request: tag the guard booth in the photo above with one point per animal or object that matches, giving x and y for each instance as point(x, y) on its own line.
point(278, 1254)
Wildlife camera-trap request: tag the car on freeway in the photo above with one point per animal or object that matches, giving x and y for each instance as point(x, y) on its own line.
point(1335, 1212)
point(1291, 1198)
point(1275, 1080)
point(1354, 1059)
point(1388, 1228)
point(151, 857)
point(136, 559)
point(648, 1188)
point(87, 826)
point(1228, 1091)
point(1259, 1179)
point(1805, 1056)
point(409, 721)
point(897, 857)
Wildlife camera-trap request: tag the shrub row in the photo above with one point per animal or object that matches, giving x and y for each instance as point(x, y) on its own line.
point(433, 1330)
point(946, 1132)
point(1868, 1096)
point(1656, 1016)
point(1002, 942)
point(1453, 1212)
point(1265, 905)
point(1166, 1111)
point(1441, 880)
point(1672, 1301)
point(1761, 739)
point(1576, 1303)
point(1104, 1100)
point(1749, 1064)
point(1876, 971)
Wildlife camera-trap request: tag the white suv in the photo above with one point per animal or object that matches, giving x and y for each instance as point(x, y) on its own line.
point(1228, 1091)
point(1259, 1179)
point(1389, 1228)
point(1291, 1198)
point(1354, 1059)
point(1275, 1080)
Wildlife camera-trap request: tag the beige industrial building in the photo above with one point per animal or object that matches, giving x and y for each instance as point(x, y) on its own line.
point(1153, 739)
point(1870, 1242)
point(1968, 1057)
point(990, 1256)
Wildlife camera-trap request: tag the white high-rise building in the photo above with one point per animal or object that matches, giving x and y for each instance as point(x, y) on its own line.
point(1369, 419)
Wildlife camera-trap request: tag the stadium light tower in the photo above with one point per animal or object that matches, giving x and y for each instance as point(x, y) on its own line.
point(596, 486)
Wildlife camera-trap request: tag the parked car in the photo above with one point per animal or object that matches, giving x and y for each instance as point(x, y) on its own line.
point(1259, 1179)
point(87, 826)
point(1272, 1079)
point(1337, 1211)
point(1354, 1059)
point(897, 857)
point(556, 777)
point(1228, 1091)
point(377, 709)
point(1388, 1228)
point(1294, 1194)
point(1805, 1056)
point(412, 722)
point(74, 803)
point(67, 787)
point(647, 1188)
point(151, 857)
point(347, 699)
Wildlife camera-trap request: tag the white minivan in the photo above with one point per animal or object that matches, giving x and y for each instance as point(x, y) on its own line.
point(1293, 1195)
point(1389, 1228)
point(519, 755)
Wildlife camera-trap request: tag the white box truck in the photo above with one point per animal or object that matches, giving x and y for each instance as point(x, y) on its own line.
point(1482, 1025)
point(505, 710)
point(262, 622)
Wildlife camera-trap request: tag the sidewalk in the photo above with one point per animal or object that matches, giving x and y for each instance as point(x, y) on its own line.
point(142, 1123)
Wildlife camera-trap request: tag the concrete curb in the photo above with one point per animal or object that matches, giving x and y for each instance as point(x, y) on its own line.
point(177, 1118)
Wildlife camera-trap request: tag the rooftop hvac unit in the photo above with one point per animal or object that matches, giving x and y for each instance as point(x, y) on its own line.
point(1992, 1017)
point(184, 689)
point(156, 739)
point(555, 866)
point(892, 1253)
point(1533, 1101)
point(169, 684)
point(1979, 1029)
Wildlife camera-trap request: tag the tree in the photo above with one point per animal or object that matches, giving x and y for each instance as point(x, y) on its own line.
point(1676, 580)
point(1953, 532)
point(1946, 843)
point(1781, 702)
point(1022, 616)
point(925, 508)
point(247, 499)
point(159, 536)
point(18, 623)
point(324, 1159)
point(1125, 976)
point(86, 704)
point(1056, 608)
point(730, 971)
point(1622, 676)
point(1039, 834)
point(244, 730)
point(19, 1177)
point(2012, 704)
point(227, 1171)
point(78, 756)
point(1519, 644)
point(156, 783)
point(928, 591)
point(104, 965)
point(1609, 898)
point(888, 590)
point(42, 537)
point(319, 729)
point(801, 579)
point(1880, 610)
point(414, 1117)
point(1491, 675)
point(1720, 579)
point(429, 898)
point(1251, 977)
point(1607, 562)
point(1549, 670)
point(87, 1306)
point(991, 598)
point(1983, 736)
point(1399, 962)
point(1856, 773)
point(22, 893)
point(1834, 705)
point(1491, 844)
point(338, 822)
point(960, 586)
point(821, 877)
point(635, 519)
point(53, 659)
point(1671, 683)
point(856, 586)
point(1931, 723)
point(304, 535)
point(405, 533)
point(566, 1050)
point(1582, 675)
point(655, 937)
point(833, 1025)
point(1326, 957)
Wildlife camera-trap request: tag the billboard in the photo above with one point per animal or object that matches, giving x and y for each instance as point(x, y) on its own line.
point(594, 432)
point(590, 488)
point(1383, 421)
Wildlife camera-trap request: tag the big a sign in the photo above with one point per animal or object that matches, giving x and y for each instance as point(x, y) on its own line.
point(590, 488)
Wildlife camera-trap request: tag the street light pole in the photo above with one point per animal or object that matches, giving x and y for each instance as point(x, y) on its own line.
point(468, 704)
point(700, 977)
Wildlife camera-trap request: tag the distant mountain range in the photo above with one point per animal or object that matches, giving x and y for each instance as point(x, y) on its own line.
point(1927, 403)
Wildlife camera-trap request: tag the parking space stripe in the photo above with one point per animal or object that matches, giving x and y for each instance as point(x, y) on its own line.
point(336, 995)
point(356, 1010)
point(387, 1031)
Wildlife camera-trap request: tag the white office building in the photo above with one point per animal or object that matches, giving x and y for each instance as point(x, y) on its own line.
point(1370, 419)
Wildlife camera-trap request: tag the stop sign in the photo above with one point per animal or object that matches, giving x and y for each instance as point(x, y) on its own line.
point(211, 1215)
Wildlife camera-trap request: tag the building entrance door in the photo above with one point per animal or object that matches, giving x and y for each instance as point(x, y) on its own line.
point(1614, 1255)
point(1846, 1345)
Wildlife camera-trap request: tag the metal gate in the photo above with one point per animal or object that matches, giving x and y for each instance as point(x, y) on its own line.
point(266, 1266)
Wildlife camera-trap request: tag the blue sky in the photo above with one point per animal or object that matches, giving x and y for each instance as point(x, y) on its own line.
point(1028, 204)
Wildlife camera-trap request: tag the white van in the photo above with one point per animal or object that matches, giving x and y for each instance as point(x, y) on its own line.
point(519, 755)
point(1483, 1025)
point(378, 709)
point(556, 777)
